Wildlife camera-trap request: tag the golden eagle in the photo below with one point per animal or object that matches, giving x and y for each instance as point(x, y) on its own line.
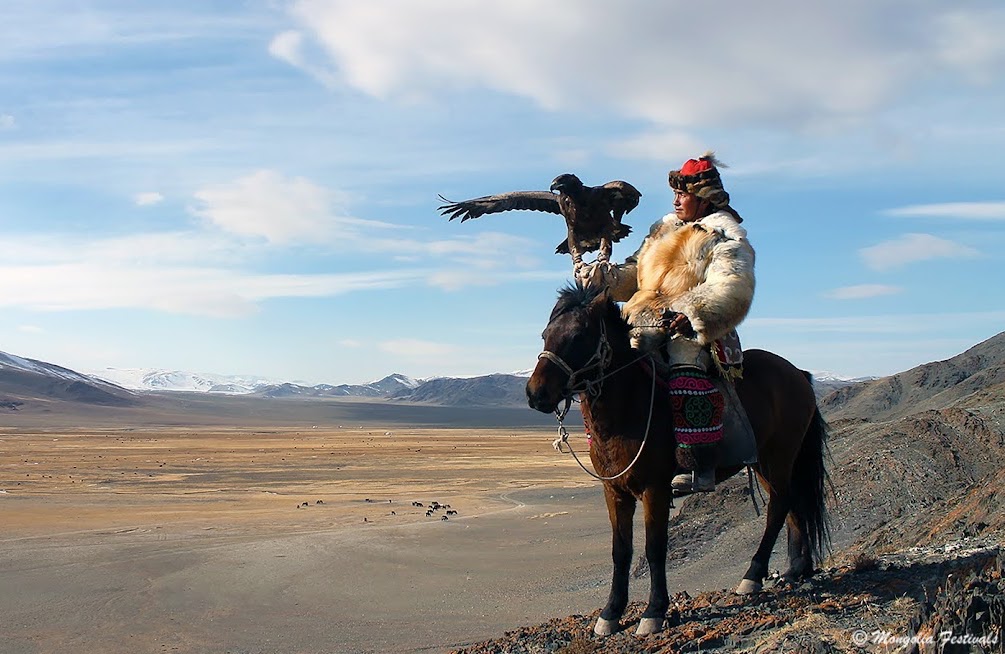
point(592, 213)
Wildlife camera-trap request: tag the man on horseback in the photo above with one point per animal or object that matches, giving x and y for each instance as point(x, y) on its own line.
point(686, 289)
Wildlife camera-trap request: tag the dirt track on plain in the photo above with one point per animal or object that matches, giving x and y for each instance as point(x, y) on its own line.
point(266, 540)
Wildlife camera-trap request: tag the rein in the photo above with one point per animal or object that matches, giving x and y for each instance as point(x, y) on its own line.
point(601, 358)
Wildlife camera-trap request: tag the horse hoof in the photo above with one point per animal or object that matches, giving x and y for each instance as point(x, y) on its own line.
point(748, 587)
point(605, 627)
point(649, 626)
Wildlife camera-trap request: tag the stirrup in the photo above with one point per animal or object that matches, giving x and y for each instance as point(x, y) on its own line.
point(693, 482)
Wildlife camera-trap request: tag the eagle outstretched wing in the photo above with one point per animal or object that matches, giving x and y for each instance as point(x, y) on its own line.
point(592, 213)
point(513, 201)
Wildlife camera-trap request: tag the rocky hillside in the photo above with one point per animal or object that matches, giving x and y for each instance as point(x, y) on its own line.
point(918, 523)
point(929, 386)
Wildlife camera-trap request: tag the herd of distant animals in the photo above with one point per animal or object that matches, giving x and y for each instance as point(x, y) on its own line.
point(431, 510)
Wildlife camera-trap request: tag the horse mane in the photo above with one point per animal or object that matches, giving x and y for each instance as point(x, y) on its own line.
point(574, 297)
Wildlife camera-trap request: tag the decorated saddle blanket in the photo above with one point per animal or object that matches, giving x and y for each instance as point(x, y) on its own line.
point(728, 356)
point(708, 410)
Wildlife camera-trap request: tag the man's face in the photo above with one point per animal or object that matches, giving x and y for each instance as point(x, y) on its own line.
point(688, 206)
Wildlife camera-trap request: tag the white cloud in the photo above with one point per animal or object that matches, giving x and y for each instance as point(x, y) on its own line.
point(971, 42)
point(210, 273)
point(749, 63)
point(148, 198)
point(290, 46)
point(7, 121)
point(862, 291)
point(912, 248)
point(30, 329)
point(957, 210)
point(287, 46)
point(73, 151)
point(281, 210)
point(201, 291)
point(885, 324)
point(417, 350)
point(662, 146)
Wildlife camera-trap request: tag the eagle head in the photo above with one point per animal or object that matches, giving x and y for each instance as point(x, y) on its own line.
point(566, 183)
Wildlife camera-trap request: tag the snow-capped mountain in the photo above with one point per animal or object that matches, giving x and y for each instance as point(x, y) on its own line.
point(824, 382)
point(827, 376)
point(149, 379)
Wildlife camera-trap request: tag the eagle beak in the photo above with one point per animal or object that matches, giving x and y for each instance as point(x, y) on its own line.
point(555, 187)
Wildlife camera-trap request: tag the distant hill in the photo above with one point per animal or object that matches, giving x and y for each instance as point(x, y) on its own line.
point(25, 380)
point(930, 386)
point(487, 390)
point(386, 387)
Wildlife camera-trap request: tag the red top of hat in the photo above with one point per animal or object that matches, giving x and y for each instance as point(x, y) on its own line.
point(695, 166)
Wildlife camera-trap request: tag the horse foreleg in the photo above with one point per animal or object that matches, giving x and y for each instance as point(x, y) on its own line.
point(753, 578)
point(656, 504)
point(621, 510)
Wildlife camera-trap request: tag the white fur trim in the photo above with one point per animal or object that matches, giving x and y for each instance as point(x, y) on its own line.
point(725, 224)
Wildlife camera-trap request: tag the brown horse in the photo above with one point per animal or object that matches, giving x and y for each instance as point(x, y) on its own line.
point(587, 351)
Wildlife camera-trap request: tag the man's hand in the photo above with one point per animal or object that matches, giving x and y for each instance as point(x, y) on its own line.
point(677, 323)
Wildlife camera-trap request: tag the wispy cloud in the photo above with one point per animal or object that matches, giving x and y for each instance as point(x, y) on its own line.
point(876, 324)
point(200, 291)
point(30, 329)
point(282, 210)
point(955, 210)
point(71, 150)
point(417, 350)
point(862, 291)
point(7, 121)
point(148, 198)
point(401, 49)
point(913, 248)
point(290, 46)
point(662, 146)
point(964, 42)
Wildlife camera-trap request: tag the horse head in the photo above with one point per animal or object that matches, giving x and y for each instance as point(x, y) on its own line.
point(583, 333)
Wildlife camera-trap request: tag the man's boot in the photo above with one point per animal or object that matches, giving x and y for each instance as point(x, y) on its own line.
point(701, 461)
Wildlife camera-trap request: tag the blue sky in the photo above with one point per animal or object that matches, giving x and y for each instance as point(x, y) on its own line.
point(251, 187)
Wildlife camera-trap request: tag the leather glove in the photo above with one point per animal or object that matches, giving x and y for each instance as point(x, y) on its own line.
point(599, 274)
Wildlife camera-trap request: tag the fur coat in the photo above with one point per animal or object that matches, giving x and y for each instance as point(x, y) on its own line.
point(703, 269)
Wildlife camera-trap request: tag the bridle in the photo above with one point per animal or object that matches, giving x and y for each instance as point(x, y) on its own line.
point(601, 359)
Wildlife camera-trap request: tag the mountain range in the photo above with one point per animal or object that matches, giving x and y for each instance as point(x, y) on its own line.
point(23, 379)
point(29, 380)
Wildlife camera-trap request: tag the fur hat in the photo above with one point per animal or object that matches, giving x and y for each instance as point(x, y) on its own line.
point(701, 177)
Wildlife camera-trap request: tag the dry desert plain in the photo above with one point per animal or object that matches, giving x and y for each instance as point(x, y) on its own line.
point(272, 540)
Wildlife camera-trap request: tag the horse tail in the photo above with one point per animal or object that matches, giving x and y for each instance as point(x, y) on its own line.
point(809, 487)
